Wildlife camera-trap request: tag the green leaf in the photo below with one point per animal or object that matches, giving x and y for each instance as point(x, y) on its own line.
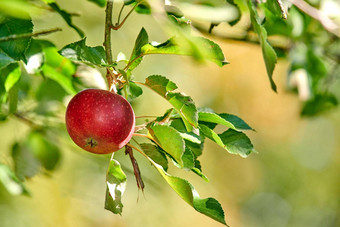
point(128, 2)
point(178, 124)
point(5, 59)
point(13, 95)
point(67, 17)
point(35, 55)
point(115, 187)
point(233, 141)
point(155, 154)
point(26, 165)
point(184, 105)
point(274, 7)
point(44, 150)
point(169, 140)
point(143, 8)
point(228, 120)
point(10, 181)
point(211, 135)
point(15, 48)
point(238, 123)
point(198, 47)
point(137, 54)
point(160, 84)
point(188, 159)
point(78, 51)
point(239, 13)
point(209, 206)
point(268, 52)
point(59, 69)
point(320, 103)
point(100, 3)
point(197, 169)
point(20, 9)
point(133, 90)
point(12, 73)
point(237, 143)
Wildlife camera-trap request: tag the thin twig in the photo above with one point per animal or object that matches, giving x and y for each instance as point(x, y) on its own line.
point(327, 23)
point(119, 25)
point(132, 61)
point(284, 12)
point(28, 35)
point(120, 13)
point(146, 116)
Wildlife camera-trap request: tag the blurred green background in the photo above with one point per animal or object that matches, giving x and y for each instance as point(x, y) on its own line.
point(293, 180)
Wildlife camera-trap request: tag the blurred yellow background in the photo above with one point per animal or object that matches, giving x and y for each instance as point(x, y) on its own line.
point(293, 180)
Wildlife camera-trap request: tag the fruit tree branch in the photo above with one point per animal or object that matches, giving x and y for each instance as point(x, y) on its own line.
point(107, 35)
point(327, 23)
point(28, 35)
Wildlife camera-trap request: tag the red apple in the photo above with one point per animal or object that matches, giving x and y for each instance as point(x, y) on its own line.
point(99, 121)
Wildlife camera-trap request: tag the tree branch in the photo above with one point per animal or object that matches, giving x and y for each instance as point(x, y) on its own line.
point(283, 9)
point(327, 23)
point(28, 35)
point(107, 35)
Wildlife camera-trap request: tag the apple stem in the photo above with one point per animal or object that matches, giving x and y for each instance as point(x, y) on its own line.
point(136, 171)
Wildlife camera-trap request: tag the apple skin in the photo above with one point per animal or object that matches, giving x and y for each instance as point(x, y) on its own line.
point(100, 121)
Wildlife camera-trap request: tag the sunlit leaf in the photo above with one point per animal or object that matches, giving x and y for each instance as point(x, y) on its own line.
point(237, 143)
point(209, 206)
point(197, 169)
point(169, 140)
point(233, 141)
point(12, 74)
point(198, 47)
point(183, 104)
point(58, 68)
point(160, 84)
point(155, 154)
point(268, 52)
point(228, 120)
point(211, 135)
point(13, 96)
point(22, 9)
point(115, 187)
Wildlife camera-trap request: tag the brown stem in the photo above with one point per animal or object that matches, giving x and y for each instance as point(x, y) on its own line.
point(28, 35)
point(107, 36)
point(146, 116)
point(26, 120)
point(119, 25)
point(136, 171)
